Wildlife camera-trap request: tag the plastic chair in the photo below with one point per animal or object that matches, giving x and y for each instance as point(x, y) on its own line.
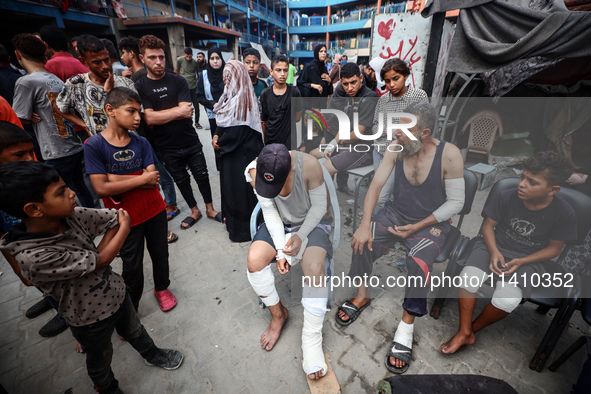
point(564, 299)
point(256, 218)
point(483, 130)
point(454, 238)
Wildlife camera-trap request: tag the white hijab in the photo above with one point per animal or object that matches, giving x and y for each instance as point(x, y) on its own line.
point(238, 104)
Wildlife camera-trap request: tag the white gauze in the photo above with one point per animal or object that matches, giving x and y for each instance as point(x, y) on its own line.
point(404, 334)
point(314, 299)
point(313, 355)
point(455, 192)
point(318, 202)
point(472, 278)
point(274, 223)
point(263, 283)
point(507, 297)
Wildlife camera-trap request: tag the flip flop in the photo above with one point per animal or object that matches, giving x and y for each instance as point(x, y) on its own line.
point(350, 310)
point(172, 215)
point(218, 217)
point(189, 221)
point(198, 126)
point(400, 352)
point(172, 238)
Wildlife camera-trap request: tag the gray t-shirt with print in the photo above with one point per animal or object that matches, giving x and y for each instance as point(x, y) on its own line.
point(36, 93)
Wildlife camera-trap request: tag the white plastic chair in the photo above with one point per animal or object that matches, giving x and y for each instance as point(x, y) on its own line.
point(483, 131)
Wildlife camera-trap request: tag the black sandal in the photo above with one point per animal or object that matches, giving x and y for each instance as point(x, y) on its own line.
point(401, 353)
point(350, 310)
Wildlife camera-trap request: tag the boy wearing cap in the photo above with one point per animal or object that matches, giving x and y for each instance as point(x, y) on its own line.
point(290, 188)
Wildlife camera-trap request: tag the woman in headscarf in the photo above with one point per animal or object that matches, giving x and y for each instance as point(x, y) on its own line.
point(314, 81)
point(335, 71)
point(210, 87)
point(239, 139)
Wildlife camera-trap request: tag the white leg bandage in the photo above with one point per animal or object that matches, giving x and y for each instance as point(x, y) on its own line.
point(404, 334)
point(263, 283)
point(314, 299)
point(312, 343)
point(472, 278)
point(507, 298)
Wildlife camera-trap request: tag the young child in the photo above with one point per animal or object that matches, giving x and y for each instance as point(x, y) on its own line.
point(524, 228)
point(36, 93)
point(54, 248)
point(276, 105)
point(122, 171)
point(17, 145)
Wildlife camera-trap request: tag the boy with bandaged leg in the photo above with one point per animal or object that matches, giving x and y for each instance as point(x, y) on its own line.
point(293, 198)
point(524, 228)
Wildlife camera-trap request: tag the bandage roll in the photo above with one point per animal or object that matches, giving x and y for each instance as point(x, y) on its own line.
point(263, 283)
point(507, 297)
point(313, 355)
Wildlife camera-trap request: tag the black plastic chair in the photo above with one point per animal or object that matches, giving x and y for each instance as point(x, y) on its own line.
point(585, 307)
point(455, 237)
point(546, 297)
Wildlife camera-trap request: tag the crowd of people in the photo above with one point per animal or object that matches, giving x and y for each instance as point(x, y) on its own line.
point(122, 138)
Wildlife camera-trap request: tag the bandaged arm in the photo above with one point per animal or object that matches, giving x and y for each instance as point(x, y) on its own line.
point(317, 210)
point(274, 223)
point(455, 191)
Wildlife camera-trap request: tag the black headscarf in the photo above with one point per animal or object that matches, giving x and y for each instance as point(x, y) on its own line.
point(319, 63)
point(215, 77)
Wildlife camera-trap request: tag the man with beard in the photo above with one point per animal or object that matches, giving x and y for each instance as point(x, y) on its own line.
point(86, 93)
point(168, 109)
point(428, 191)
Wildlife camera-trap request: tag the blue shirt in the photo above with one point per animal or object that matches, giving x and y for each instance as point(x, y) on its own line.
point(101, 157)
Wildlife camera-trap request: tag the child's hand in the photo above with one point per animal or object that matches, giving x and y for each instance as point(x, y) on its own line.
point(512, 266)
point(123, 217)
point(497, 264)
point(282, 266)
point(151, 177)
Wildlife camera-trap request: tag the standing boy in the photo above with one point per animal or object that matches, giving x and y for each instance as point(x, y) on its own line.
point(55, 249)
point(122, 171)
point(276, 106)
point(36, 93)
point(524, 228)
point(129, 47)
point(187, 67)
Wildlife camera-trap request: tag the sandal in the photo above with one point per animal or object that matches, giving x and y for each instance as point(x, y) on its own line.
point(189, 221)
point(198, 126)
point(218, 217)
point(400, 352)
point(172, 237)
point(350, 310)
point(172, 215)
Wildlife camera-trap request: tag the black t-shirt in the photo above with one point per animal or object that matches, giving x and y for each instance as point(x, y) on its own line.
point(525, 232)
point(139, 74)
point(280, 112)
point(364, 102)
point(165, 93)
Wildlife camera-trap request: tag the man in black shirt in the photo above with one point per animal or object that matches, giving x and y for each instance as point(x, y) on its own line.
point(345, 153)
point(277, 105)
point(167, 105)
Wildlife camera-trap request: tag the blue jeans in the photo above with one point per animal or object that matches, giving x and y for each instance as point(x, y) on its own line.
point(72, 172)
point(167, 184)
point(96, 340)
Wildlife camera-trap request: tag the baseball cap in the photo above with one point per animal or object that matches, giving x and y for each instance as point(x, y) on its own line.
point(273, 167)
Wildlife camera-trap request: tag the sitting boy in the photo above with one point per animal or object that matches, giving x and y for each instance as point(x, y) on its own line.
point(54, 248)
point(122, 171)
point(524, 228)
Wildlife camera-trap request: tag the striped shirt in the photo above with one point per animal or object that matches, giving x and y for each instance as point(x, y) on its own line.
point(389, 103)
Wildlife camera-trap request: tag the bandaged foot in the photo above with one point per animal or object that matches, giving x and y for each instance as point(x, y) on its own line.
point(314, 364)
point(403, 336)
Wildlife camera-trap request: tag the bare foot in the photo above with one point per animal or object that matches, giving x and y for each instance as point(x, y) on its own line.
point(396, 362)
point(78, 348)
point(315, 375)
point(458, 342)
point(358, 302)
point(271, 334)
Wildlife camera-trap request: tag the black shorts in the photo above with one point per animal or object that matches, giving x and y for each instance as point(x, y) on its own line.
point(317, 237)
